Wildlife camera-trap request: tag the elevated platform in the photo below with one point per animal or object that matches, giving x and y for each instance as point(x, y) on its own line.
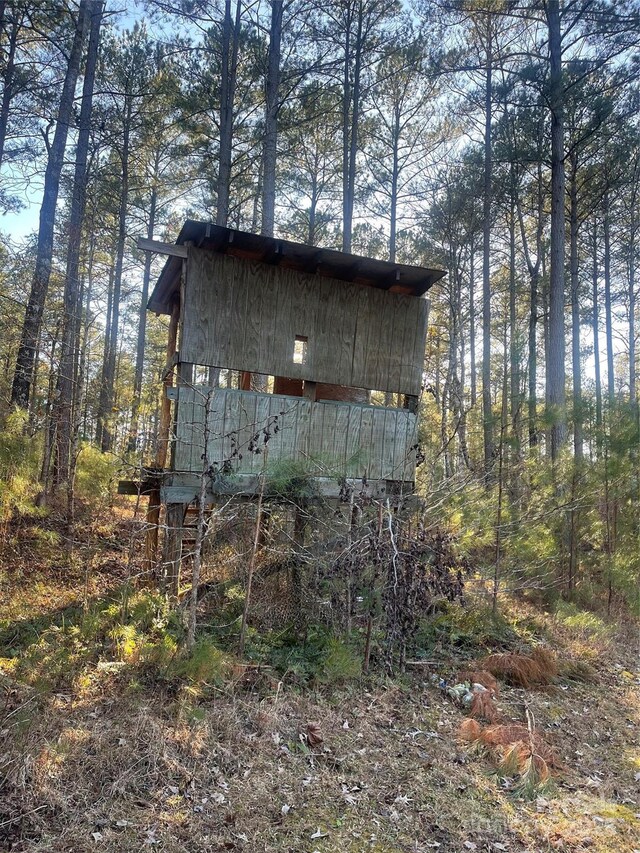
point(325, 439)
point(337, 445)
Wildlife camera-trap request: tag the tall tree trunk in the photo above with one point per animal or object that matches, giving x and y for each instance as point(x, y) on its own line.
point(346, 125)
point(632, 313)
point(393, 202)
point(608, 319)
point(84, 354)
point(514, 345)
point(81, 406)
point(230, 44)
point(503, 434)
point(487, 414)
point(313, 210)
point(269, 150)
point(631, 263)
point(351, 124)
point(103, 401)
point(533, 359)
point(575, 313)
point(634, 453)
point(557, 415)
point(596, 336)
point(48, 459)
point(142, 316)
point(72, 302)
point(109, 375)
point(534, 275)
point(9, 72)
point(25, 362)
point(472, 326)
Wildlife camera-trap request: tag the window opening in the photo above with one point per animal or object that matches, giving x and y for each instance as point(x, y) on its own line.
point(300, 349)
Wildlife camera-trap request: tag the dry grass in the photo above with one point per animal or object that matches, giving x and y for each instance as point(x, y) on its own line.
point(261, 767)
point(505, 736)
point(483, 707)
point(107, 761)
point(538, 669)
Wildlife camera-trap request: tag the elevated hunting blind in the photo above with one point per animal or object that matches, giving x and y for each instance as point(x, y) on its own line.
point(281, 344)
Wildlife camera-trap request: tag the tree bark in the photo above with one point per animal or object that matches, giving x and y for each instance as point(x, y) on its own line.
point(611, 387)
point(596, 336)
point(7, 90)
point(472, 327)
point(487, 414)
point(351, 119)
point(230, 42)
point(514, 346)
point(534, 275)
point(556, 373)
point(108, 379)
point(142, 316)
point(575, 314)
point(270, 144)
point(25, 362)
point(632, 312)
point(393, 201)
point(103, 401)
point(72, 299)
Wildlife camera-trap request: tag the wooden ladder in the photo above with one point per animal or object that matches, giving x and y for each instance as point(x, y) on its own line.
point(190, 529)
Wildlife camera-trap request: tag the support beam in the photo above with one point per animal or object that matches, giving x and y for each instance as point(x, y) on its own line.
point(153, 509)
point(165, 404)
point(161, 248)
point(174, 522)
point(151, 537)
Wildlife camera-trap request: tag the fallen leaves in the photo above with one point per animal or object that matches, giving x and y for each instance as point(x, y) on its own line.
point(314, 735)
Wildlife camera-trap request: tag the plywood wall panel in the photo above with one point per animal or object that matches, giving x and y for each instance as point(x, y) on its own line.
point(331, 439)
point(245, 316)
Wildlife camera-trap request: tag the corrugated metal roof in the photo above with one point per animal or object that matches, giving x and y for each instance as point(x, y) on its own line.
point(398, 278)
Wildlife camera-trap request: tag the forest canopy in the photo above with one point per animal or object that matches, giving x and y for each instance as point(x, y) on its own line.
point(498, 140)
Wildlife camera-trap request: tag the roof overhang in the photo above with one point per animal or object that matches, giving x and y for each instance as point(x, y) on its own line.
point(329, 263)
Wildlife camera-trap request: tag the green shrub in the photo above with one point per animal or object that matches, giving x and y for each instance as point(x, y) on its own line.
point(205, 664)
point(341, 663)
point(463, 627)
point(95, 474)
point(157, 656)
point(291, 480)
point(582, 623)
point(19, 459)
point(318, 658)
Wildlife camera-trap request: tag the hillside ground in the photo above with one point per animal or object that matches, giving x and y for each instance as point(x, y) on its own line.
point(98, 755)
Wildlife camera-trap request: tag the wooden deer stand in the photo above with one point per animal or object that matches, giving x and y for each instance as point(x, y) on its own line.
point(305, 334)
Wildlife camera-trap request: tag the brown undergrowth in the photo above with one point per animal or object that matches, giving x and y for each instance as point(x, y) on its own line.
point(539, 668)
point(221, 756)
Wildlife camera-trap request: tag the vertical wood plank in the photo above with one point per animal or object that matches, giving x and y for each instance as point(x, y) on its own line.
point(244, 316)
point(353, 452)
point(366, 441)
point(341, 436)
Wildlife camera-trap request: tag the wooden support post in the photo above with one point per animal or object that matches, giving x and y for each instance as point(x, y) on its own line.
point(411, 403)
point(174, 520)
point(151, 537)
point(299, 529)
point(153, 509)
point(165, 404)
point(310, 390)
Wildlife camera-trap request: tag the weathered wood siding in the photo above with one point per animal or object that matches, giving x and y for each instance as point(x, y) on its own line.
point(246, 315)
point(334, 439)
